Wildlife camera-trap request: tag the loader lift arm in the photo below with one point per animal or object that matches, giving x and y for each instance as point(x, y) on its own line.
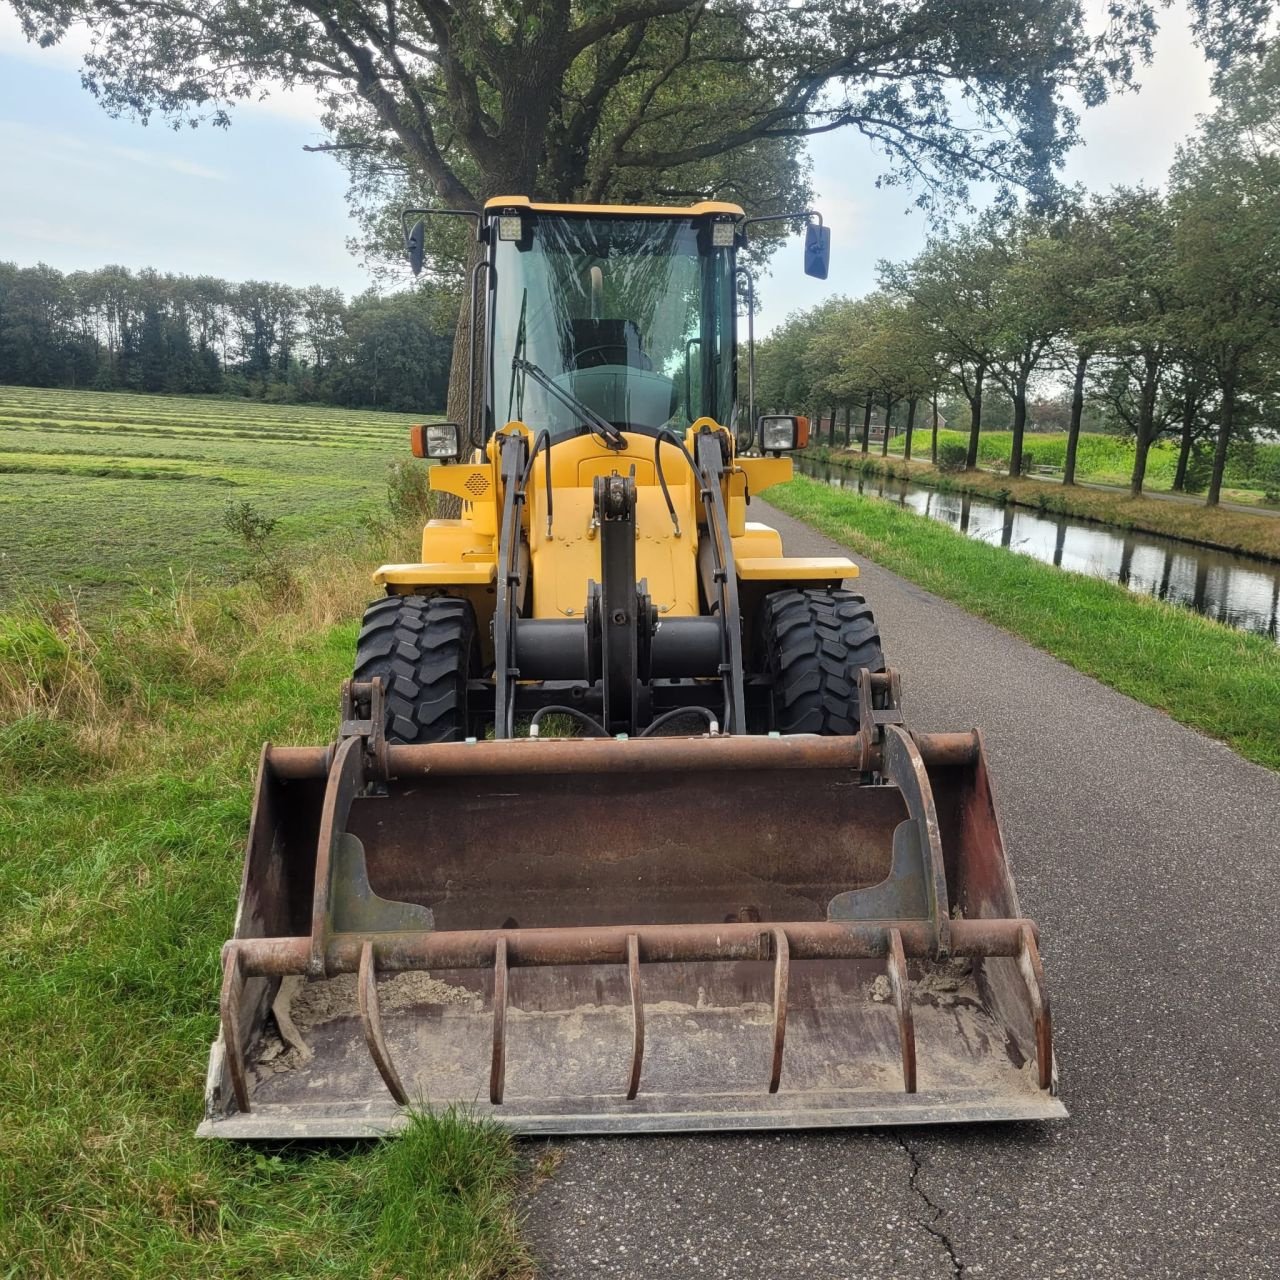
point(620, 624)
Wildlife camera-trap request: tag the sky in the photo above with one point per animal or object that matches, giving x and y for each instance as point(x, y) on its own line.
point(81, 190)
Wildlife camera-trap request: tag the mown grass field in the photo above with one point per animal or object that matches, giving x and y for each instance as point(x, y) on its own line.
point(104, 493)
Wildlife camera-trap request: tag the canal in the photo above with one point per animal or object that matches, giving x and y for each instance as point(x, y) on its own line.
point(1237, 590)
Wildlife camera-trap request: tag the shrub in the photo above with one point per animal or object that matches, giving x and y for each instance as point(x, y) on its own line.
point(250, 525)
point(1028, 463)
point(952, 457)
point(410, 499)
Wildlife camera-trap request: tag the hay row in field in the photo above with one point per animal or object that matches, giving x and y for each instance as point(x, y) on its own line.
point(196, 408)
point(106, 494)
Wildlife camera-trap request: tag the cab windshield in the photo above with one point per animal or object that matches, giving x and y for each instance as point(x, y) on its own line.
point(625, 320)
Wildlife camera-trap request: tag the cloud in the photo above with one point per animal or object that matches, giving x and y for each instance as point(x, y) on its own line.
point(96, 157)
point(301, 103)
point(63, 235)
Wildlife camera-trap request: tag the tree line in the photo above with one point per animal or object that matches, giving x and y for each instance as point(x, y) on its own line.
point(118, 330)
point(1160, 310)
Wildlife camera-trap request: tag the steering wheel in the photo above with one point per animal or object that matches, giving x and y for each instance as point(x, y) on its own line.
point(607, 350)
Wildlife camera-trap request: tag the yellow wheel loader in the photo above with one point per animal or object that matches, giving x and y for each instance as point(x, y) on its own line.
point(622, 830)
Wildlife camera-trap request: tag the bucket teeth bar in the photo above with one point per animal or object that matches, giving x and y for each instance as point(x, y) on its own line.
point(684, 943)
point(637, 1015)
point(913, 876)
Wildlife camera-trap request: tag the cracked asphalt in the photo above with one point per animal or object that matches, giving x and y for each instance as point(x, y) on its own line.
point(1150, 855)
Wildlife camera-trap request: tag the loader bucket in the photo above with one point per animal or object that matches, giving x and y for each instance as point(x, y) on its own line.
point(604, 936)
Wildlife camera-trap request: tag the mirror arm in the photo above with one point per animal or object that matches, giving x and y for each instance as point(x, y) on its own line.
point(808, 215)
point(406, 214)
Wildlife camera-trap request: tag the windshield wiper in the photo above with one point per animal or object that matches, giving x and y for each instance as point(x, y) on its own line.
point(610, 434)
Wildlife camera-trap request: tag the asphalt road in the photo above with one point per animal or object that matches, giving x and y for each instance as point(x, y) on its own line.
point(1150, 856)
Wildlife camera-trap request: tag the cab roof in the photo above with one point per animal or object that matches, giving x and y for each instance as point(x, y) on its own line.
point(618, 210)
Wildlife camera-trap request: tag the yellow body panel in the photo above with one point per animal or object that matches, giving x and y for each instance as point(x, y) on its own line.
point(795, 568)
point(461, 554)
point(436, 575)
point(446, 541)
point(470, 482)
point(764, 473)
point(563, 566)
point(758, 540)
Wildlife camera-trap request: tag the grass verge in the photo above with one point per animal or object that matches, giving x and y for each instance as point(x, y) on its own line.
point(1223, 682)
point(127, 750)
point(1195, 523)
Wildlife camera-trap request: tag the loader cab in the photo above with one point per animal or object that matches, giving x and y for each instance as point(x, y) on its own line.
point(627, 315)
point(619, 316)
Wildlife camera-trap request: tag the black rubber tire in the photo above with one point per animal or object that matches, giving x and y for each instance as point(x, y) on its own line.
point(425, 650)
point(814, 644)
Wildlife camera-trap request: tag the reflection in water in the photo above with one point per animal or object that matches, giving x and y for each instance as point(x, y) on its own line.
point(1237, 590)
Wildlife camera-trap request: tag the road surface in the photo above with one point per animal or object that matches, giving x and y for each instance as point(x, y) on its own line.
point(1150, 856)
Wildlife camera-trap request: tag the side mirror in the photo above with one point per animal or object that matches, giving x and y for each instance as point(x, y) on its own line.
point(817, 250)
point(781, 433)
point(415, 246)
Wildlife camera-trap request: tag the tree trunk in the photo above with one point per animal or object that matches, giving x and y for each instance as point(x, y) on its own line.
point(975, 419)
point(866, 425)
point(848, 424)
point(1019, 427)
point(933, 439)
point(1077, 412)
point(911, 422)
point(1189, 406)
point(888, 422)
point(460, 399)
point(831, 436)
point(1227, 414)
point(1146, 424)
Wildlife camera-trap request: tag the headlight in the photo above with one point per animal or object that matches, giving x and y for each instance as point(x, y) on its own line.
point(435, 440)
point(777, 435)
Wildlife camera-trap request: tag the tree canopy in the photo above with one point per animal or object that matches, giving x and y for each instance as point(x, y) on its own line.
point(641, 99)
point(117, 330)
point(1165, 307)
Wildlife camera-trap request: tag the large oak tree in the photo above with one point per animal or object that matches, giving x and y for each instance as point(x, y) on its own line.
point(583, 99)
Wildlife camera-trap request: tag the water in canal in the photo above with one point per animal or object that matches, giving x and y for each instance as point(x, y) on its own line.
point(1239, 590)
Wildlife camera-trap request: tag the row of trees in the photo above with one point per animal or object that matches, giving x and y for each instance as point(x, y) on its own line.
point(112, 329)
point(1159, 309)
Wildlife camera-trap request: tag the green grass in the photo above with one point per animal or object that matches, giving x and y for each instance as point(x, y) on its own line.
point(127, 750)
point(131, 488)
point(1105, 459)
point(1223, 682)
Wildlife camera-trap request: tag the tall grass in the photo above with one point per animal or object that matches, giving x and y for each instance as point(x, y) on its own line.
point(127, 751)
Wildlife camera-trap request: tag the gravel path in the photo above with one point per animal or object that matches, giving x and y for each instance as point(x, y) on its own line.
point(1151, 857)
